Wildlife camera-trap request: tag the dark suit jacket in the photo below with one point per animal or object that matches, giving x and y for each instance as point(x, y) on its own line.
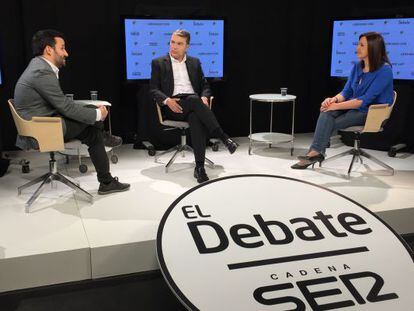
point(162, 78)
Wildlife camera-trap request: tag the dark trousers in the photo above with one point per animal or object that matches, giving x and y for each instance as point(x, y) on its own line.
point(201, 119)
point(91, 135)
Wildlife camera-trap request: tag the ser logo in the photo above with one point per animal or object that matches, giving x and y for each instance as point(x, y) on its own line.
point(251, 242)
point(374, 294)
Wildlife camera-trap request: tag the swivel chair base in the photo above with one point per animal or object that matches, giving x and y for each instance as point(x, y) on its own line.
point(357, 154)
point(180, 149)
point(52, 175)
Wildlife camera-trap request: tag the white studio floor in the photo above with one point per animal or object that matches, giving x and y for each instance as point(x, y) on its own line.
point(67, 239)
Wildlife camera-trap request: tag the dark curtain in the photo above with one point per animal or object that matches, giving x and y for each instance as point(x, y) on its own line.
point(267, 46)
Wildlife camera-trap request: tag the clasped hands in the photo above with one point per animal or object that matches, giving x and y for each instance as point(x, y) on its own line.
point(328, 104)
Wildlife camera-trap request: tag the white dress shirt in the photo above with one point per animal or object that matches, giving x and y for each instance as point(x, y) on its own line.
point(56, 71)
point(182, 83)
point(54, 68)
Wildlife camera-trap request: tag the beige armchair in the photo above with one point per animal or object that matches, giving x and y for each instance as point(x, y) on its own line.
point(377, 116)
point(48, 133)
point(182, 147)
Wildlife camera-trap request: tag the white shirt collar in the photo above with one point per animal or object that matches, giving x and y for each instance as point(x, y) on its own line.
point(54, 68)
point(173, 60)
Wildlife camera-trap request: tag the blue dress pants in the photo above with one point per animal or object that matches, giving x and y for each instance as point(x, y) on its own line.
point(331, 121)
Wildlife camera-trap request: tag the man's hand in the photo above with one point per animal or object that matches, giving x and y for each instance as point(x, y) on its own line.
point(104, 112)
point(205, 101)
point(174, 106)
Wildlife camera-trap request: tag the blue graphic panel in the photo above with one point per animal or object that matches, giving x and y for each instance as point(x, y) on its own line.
point(146, 39)
point(398, 34)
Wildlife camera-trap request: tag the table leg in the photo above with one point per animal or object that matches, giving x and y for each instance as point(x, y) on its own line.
point(293, 128)
point(113, 156)
point(250, 136)
point(271, 121)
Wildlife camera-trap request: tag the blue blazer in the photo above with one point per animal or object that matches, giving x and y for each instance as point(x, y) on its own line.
point(371, 87)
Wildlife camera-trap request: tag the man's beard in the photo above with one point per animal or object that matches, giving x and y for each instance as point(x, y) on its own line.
point(61, 63)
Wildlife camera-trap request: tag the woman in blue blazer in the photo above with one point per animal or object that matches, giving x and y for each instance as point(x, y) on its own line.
point(370, 82)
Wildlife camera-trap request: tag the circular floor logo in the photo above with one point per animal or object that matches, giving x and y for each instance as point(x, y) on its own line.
point(260, 242)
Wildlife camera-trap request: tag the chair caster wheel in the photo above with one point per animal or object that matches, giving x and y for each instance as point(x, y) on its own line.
point(392, 153)
point(83, 168)
point(151, 152)
point(114, 159)
point(215, 147)
point(25, 169)
point(25, 166)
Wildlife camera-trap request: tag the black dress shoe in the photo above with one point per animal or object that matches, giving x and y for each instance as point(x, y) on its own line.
point(231, 145)
point(200, 174)
point(113, 186)
point(111, 140)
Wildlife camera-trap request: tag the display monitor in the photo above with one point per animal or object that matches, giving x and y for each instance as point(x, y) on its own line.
point(398, 34)
point(146, 39)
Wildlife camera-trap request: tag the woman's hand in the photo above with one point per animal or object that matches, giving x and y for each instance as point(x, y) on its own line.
point(328, 103)
point(331, 107)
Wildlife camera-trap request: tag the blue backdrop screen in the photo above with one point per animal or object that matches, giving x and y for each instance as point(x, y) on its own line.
point(398, 34)
point(146, 39)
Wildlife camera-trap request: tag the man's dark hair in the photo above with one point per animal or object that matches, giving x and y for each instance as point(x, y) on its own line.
point(44, 38)
point(183, 33)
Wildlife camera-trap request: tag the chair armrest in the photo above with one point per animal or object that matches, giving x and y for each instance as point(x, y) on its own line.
point(46, 119)
point(211, 102)
point(377, 114)
point(160, 118)
point(378, 106)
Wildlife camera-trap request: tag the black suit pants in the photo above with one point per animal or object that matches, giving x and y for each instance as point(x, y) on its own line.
point(91, 135)
point(201, 119)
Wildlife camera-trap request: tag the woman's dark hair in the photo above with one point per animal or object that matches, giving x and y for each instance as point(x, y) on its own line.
point(44, 38)
point(377, 55)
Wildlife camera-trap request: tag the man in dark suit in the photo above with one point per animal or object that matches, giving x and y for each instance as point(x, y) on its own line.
point(179, 87)
point(38, 93)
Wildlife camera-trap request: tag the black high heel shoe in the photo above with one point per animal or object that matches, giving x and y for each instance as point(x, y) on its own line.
point(302, 157)
point(310, 161)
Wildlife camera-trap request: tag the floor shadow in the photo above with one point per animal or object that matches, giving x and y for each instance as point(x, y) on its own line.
point(179, 173)
point(68, 206)
point(278, 152)
point(358, 181)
